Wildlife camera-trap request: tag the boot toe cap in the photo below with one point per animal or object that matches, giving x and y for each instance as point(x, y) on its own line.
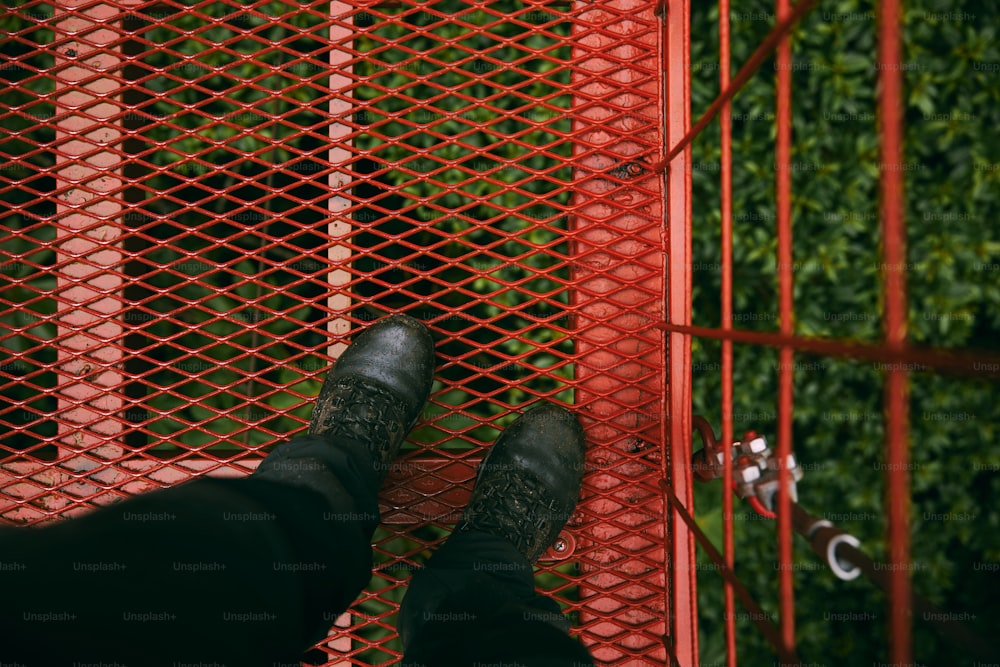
point(396, 352)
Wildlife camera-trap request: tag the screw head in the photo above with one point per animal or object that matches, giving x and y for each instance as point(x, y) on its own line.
point(560, 545)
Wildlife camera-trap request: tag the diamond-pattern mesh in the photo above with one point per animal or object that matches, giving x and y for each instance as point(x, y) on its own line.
point(202, 201)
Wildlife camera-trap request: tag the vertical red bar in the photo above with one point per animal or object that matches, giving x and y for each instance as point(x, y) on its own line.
point(894, 296)
point(726, 241)
point(616, 117)
point(339, 203)
point(677, 65)
point(341, 106)
point(88, 206)
point(783, 185)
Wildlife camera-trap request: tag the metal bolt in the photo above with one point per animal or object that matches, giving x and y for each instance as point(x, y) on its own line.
point(560, 546)
point(790, 463)
point(636, 445)
point(747, 474)
point(756, 445)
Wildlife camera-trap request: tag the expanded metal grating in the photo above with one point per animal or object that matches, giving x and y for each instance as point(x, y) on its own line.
point(202, 201)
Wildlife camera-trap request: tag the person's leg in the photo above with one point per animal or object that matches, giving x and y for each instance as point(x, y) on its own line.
point(475, 601)
point(229, 571)
point(248, 572)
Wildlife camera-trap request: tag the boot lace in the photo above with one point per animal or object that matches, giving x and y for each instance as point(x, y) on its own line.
point(516, 507)
point(360, 410)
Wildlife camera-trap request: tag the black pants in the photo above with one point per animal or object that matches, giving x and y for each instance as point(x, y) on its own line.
point(253, 572)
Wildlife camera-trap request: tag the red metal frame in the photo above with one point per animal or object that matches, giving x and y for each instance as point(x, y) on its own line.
point(133, 353)
point(676, 63)
point(359, 237)
point(617, 124)
point(726, 311)
point(894, 291)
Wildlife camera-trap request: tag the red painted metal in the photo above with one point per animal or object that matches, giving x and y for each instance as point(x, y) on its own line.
point(683, 643)
point(339, 299)
point(617, 83)
point(786, 361)
point(894, 353)
point(756, 59)
point(726, 312)
point(953, 362)
point(193, 233)
point(88, 242)
point(897, 491)
point(223, 193)
point(758, 617)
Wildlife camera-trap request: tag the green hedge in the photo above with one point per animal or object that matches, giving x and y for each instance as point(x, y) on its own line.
point(952, 157)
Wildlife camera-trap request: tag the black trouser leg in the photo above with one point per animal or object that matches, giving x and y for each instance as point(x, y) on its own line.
point(238, 572)
point(475, 603)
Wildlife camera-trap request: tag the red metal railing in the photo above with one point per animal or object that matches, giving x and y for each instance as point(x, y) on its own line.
point(894, 352)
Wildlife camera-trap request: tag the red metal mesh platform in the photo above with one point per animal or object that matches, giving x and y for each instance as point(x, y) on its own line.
point(204, 201)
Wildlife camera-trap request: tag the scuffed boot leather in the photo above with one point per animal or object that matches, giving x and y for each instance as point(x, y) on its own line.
point(528, 485)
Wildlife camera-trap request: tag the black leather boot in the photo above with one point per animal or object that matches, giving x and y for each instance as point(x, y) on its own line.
point(528, 485)
point(375, 391)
